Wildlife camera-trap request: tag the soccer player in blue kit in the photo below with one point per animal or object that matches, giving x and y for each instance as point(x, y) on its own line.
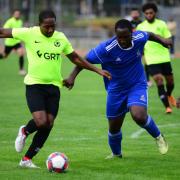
point(127, 90)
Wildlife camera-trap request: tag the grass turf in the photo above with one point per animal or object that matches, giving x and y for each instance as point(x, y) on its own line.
point(80, 131)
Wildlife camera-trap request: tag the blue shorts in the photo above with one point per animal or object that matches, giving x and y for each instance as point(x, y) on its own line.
point(118, 102)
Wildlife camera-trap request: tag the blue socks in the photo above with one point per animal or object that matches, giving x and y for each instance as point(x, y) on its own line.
point(115, 142)
point(151, 127)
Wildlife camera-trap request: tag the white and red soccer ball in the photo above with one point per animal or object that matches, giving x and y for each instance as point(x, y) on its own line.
point(57, 162)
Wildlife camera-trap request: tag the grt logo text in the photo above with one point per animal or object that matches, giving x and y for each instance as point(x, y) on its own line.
point(48, 56)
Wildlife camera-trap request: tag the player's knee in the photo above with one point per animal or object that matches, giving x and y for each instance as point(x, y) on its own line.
point(114, 130)
point(158, 79)
point(20, 52)
point(139, 117)
point(50, 120)
point(41, 122)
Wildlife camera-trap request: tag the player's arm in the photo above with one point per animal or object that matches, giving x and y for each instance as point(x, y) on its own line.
point(166, 42)
point(5, 33)
point(83, 64)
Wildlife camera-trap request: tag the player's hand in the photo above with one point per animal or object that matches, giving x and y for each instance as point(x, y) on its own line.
point(105, 74)
point(178, 103)
point(69, 83)
point(167, 43)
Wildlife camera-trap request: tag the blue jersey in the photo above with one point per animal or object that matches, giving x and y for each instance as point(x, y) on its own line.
point(125, 65)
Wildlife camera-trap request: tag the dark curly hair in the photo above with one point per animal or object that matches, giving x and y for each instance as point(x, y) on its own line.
point(150, 6)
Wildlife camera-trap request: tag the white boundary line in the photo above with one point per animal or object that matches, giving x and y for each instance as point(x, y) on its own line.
point(136, 134)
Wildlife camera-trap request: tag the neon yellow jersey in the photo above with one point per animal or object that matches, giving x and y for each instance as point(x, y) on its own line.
point(43, 54)
point(155, 53)
point(12, 23)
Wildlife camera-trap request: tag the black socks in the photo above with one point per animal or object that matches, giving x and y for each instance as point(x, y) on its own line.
point(38, 142)
point(21, 62)
point(30, 127)
point(163, 95)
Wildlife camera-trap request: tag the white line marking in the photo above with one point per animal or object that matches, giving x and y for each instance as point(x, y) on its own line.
point(136, 134)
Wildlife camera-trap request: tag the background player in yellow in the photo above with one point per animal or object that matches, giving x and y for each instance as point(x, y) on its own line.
point(44, 47)
point(14, 44)
point(158, 57)
point(136, 19)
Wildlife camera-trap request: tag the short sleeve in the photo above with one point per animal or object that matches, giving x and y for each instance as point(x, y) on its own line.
point(141, 36)
point(7, 24)
point(166, 32)
point(22, 34)
point(146, 35)
point(97, 55)
point(68, 49)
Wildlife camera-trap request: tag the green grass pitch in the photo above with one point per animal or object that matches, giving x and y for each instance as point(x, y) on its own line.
point(80, 131)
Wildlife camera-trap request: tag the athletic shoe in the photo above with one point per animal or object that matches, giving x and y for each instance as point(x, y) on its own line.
point(20, 140)
point(172, 100)
point(27, 164)
point(162, 144)
point(168, 110)
point(112, 156)
point(22, 72)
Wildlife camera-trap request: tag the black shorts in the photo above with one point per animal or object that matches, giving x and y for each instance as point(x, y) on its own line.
point(41, 97)
point(163, 68)
point(8, 49)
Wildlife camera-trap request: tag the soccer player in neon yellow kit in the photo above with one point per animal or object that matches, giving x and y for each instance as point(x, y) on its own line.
point(158, 57)
point(14, 44)
point(44, 47)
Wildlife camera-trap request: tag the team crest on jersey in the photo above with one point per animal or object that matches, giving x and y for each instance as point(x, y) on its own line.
point(57, 43)
point(142, 98)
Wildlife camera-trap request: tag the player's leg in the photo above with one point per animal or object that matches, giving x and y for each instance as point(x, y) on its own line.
point(20, 51)
point(158, 78)
point(7, 50)
point(1, 56)
point(172, 48)
point(156, 73)
point(116, 110)
point(178, 103)
point(40, 119)
point(168, 74)
point(137, 103)
point(44, 121)
point(139, 115)
point(149, 82)
point(115, 136)
point(43, 130)
point(35, 103)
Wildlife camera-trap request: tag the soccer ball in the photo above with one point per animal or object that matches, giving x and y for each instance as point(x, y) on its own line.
point(57, 162)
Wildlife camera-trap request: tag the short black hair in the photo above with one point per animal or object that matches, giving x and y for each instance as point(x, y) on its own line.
point(123, 23)
point(46, 14)
point(150, 6)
